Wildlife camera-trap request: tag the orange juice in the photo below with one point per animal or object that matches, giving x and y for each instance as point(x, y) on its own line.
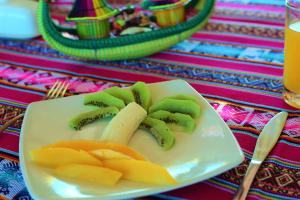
point(291, 76)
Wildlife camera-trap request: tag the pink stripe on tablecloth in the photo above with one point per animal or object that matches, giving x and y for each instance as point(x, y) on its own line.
point(276, 157)
point(62, 3)
point(249, 20)
point(224, 64)
point(208, 192)
point(282, 150)
point(245, 141)
point(239, 39)
point(9, 142)
point(21, 96)
point(266, 8)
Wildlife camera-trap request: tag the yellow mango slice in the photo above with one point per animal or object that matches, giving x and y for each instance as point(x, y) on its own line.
point(53, 157)
point(89, 173)
point(90, 145)
point(107, 154)
point(141, 171)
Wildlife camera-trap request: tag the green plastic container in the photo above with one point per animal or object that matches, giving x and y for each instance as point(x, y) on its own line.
point(93, 29)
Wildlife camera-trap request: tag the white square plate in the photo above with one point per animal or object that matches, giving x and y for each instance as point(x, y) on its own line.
point(209, 151)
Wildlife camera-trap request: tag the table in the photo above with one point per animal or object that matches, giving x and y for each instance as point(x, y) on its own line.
point(235, 62)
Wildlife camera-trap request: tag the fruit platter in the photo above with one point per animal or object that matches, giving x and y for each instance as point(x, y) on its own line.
point(124, 143)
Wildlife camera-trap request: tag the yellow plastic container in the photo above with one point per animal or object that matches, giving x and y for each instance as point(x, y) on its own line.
point(169, 15)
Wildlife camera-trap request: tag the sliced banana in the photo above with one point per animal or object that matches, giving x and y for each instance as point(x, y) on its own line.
point(121, 128)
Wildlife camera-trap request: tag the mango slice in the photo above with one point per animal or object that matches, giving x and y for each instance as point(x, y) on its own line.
point(90, 145)
point(89, 173)
point(53, 157)
point(107, 154)
point(141, 171)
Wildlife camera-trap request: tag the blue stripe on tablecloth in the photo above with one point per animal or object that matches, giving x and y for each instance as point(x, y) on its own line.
point(266, 2)
point(166, 197)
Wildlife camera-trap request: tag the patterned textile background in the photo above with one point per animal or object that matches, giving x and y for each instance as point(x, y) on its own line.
point(236, 62)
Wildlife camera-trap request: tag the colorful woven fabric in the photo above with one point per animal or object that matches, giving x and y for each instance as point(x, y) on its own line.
point(91, 10)
point(235, 62)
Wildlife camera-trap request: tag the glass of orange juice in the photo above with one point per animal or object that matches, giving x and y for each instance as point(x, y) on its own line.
point(291, 75)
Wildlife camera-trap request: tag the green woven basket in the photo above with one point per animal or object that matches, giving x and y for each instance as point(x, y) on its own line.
point(125, 47)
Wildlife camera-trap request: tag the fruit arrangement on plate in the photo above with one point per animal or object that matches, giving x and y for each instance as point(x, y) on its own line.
point(100, 163)
point(110, 159)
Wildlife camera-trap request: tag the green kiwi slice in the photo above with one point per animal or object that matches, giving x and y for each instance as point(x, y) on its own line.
point(141, 94)
point(185, 122)
point(125, 95)
point(160, 131)
point(88, 117)
point(103, 99)
point(188, 107)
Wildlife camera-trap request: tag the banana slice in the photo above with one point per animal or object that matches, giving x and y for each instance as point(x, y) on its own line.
point(121, 128)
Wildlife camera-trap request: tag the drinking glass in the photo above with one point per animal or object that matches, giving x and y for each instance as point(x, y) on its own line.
point(291, 77)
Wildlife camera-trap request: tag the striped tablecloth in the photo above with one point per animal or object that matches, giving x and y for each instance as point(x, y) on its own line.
point(235, 62)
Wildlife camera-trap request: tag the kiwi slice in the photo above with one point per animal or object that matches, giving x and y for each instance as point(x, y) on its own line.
point(183, 97)
point(88, 117)
point(103, 99)
point(141, 94)
point(188, 107)
point(185, 122)
point(160, 131)
point(125, 95)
